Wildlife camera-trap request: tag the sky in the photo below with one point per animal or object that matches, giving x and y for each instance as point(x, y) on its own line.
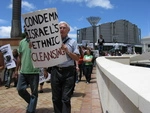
point(76, 12)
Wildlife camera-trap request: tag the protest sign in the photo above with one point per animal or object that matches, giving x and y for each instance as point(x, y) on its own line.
point(8, 56)
point(44, 33)
point(43, 79)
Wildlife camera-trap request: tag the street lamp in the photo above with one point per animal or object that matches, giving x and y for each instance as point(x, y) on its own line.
point(93, 21)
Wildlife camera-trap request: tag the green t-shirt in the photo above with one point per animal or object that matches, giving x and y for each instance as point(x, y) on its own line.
point(26, 61)
point(88, 57)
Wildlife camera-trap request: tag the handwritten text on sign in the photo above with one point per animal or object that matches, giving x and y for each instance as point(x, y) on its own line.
point(43, 30)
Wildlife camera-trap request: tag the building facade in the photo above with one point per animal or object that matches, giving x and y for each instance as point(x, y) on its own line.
point(121, 31)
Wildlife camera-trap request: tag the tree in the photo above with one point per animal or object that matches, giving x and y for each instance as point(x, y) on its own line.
point(16, 30)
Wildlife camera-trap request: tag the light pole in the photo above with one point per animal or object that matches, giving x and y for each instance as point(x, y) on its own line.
point(93, 21)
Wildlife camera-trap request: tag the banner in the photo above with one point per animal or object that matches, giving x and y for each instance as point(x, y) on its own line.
point(43, 30)
point(8, 56)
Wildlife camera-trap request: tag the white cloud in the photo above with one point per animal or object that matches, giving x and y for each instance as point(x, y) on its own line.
point(94, 3)
point(100, 3)
point(10, 6)
point(73, 29)
point(73, 32)
point(27, 6)
point(5, 31)
point(81, 18)
point(72, 35)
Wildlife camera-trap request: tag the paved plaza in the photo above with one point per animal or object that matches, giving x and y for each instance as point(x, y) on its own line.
point(84, 100)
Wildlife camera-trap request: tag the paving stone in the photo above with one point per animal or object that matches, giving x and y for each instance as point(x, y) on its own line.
point(84, 100)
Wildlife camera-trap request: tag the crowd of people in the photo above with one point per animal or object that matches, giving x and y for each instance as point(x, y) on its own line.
point(64, 76)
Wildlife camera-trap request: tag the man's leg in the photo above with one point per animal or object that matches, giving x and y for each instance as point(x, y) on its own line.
point(68, 85)
point(21, 87)
point(56, 90)
point(10, 73)
point(34, 82)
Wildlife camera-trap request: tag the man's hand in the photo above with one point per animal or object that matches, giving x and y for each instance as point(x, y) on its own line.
point(77, 68)
point(64, 47)
point(16, 73)
point(30, 45)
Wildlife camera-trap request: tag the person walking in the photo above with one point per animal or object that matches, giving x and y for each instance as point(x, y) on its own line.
point(116, 48)
point(9, 73)
point(28, 75)
point(88, 65)
point(15, 77)
point(100, 44)
point(80, 62)
point(62, 75)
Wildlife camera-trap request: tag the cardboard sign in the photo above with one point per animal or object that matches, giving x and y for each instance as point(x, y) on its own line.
point(44, 33)
point(43, 79)
point(8, 56)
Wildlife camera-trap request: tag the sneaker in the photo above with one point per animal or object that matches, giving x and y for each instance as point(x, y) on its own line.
point(7, 86)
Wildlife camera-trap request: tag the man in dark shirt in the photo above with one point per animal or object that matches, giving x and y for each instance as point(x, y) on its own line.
point(100, 44)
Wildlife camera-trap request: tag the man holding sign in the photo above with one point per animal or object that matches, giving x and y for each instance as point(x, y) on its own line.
point(40, 48)
point(50, 46)
point(62, 75)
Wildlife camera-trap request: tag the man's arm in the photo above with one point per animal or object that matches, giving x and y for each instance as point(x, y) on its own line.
point(18, 64)
point(72, 55)
point(77, 67)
